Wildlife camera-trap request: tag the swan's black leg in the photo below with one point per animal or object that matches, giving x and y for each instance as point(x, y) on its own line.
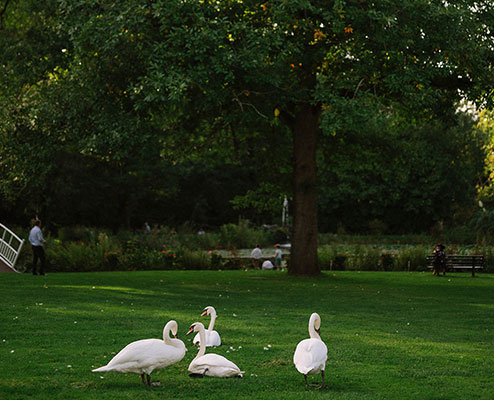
point(306, 382)
point(148, 377)
point(323, 384)
point(143, 379)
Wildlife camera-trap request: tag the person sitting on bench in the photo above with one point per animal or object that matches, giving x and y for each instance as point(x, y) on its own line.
point(439, 263)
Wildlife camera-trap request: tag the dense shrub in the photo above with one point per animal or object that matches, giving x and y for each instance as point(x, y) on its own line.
point(242, 236)
point(488, 252)
point(412, 258)
point(85, 249)
point(372, 257)
point(75, 256)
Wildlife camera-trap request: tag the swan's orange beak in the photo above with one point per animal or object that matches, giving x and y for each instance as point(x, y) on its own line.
point(318, 331)
point(175, 336)
point(190, 330)
point(205, 312)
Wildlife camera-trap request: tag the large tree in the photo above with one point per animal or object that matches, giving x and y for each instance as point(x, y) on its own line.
point(172, 67)
point(247, 61)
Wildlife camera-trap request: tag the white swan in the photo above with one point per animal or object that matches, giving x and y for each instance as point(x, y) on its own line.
point(311, 354)
point(212, 337)
point(144, 356)
point(210, 364)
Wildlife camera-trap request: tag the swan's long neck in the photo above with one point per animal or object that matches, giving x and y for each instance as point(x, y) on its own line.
point(202, 344)
point(166, 333)
point(213, 319)
point(312, 330)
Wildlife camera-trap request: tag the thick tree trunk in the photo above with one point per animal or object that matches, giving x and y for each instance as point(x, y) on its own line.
point(303, 255)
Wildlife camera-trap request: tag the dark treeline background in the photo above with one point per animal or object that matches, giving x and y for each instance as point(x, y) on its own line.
point(75, 149)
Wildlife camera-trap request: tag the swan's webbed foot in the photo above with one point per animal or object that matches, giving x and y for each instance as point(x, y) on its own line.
point(316, 385)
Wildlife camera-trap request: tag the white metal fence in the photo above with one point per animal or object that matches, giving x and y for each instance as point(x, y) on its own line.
point(10, 246)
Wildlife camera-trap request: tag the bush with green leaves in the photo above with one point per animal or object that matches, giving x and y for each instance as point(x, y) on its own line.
point(241, 235)
point(76, 256)
point(373, 257)
point(412, 258)
point(87, 249)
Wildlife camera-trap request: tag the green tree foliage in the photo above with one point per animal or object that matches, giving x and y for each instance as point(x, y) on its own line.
point(133, 79)
point(31, 50)
point(401, 175)
point(485, 128)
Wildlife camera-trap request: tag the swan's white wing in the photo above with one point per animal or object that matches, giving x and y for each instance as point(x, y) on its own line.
point(213, 339)
point(144, 356)
point(310, 356)
point(214, 365)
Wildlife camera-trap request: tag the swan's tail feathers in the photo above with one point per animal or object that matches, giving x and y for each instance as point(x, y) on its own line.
point(102, 369)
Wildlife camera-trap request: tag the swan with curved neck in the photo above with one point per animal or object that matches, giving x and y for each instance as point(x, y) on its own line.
point(210, 364)
point(213, 338)
point(144, 356)
point(311, 354)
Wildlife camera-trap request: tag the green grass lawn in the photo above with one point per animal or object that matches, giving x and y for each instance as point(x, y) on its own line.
point(389, 335)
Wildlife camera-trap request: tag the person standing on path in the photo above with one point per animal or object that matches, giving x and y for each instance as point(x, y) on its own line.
point(37, 241)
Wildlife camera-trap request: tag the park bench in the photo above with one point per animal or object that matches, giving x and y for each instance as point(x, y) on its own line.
point(457, 262)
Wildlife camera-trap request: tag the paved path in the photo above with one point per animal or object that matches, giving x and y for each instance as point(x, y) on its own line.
point(4, 268)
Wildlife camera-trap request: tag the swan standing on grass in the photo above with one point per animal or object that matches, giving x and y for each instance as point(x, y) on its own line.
point(144, 356)
point(212, 337)
point(210, 364)
point(311, 354)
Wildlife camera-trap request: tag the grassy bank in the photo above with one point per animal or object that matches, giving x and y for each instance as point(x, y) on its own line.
point(390, 335)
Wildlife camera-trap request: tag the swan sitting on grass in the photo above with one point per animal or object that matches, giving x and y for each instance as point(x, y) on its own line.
point(210, 364)
point(144, 356)
point(212, 337)
point(311, 354)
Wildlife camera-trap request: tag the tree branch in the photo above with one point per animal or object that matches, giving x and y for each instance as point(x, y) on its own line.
point(241, 104)
point(356, 90)
point(4, 9)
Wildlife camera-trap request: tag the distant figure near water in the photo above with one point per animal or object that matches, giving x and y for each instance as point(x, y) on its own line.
point(278, 256)
point(255, 256)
